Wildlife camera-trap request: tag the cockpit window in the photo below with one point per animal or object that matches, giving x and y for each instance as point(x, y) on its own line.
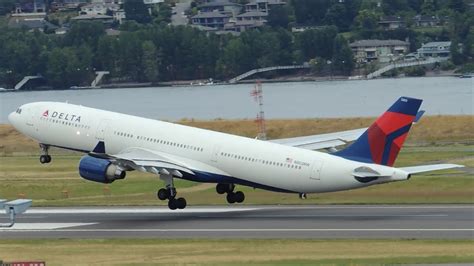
point(18, 111)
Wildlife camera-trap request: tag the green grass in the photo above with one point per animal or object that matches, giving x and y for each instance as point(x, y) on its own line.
point(237, 252)
point(59, 184)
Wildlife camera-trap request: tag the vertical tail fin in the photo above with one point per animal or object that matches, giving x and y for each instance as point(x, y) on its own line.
point(382, 141)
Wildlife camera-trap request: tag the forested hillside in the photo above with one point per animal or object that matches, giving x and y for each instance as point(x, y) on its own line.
point(151, 50)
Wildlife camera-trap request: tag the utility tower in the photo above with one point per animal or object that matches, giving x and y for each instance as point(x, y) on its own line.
point(257, 94)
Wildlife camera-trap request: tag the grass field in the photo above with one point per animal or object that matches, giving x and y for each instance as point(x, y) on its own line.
point(59, 184)
point(237, 252)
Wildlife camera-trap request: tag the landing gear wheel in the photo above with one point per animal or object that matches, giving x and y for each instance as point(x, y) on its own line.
point(45, 159)
point(239, 196)
point(231, 197)
point(181, 203)
point(163, 194)
point(172, 204)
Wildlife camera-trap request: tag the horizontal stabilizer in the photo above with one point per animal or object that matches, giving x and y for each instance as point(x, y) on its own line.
point(429, 168)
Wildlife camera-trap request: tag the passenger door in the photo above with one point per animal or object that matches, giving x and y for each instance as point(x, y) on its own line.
point(316, 170)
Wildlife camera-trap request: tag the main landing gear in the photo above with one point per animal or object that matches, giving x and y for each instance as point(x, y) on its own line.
point(169, 193)
point(45, 157)
point(232, 197)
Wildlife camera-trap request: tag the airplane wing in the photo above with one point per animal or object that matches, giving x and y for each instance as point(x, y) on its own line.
point(429, 168)
point(322, 141)
point(145, 160)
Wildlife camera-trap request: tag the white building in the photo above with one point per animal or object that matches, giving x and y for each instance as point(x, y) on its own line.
point(99, 8)
point(435, 49)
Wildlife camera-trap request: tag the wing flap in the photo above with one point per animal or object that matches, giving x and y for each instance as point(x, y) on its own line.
point(157, 162)
point(429, 168)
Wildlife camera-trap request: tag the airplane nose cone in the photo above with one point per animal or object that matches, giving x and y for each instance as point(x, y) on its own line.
point(11, 117)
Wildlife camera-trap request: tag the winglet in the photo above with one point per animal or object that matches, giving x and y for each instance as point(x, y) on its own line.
point(419, 115)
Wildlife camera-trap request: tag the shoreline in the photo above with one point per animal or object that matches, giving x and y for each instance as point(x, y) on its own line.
point(201, 83)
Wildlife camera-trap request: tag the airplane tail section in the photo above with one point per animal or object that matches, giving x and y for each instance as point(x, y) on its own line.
point(382, 141)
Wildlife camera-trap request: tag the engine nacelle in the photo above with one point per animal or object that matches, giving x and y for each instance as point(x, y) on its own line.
point(99, 170)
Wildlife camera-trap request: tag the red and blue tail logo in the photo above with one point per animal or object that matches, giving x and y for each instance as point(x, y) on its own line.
point(382, 141)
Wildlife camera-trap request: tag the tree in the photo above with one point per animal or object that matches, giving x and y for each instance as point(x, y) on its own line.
point(162, 13)
point(343, 59)
point(84, 33)
point(367, 20)
point(458, 5)
point(149, 61)
point(428, 7)
point(392, 7)
point(6, 6)
point(66, 69)
point(337, 15)
point(136, 10)
point(317, 42)
point(310, 11)
point(278, 16)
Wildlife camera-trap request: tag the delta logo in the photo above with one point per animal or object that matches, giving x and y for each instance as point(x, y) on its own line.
point(63, 116)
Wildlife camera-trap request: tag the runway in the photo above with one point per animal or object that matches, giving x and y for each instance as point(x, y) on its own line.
point(322, 221)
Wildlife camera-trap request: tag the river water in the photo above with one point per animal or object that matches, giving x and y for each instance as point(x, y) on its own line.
point(349, 98)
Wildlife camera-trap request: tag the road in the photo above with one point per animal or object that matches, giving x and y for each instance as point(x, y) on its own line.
point(345, 221)
point(178, 17)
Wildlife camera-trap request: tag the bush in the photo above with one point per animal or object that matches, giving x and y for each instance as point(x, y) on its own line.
point(447, 65)
point(466, 68)
point(391, 73)
point(417, 71)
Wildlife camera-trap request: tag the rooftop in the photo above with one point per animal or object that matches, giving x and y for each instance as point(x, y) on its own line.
point(253, 14)
point(213, 14)
point(270, 2)
point(391, 19)
point(373, 43)
point(31, 24)
point(435, 44)
point(219, 3)
point(91, 17)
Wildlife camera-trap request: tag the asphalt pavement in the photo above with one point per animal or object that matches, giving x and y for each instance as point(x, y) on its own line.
point(317, 222)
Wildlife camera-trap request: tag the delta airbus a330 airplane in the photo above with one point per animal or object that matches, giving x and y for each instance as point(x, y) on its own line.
point(116, 143)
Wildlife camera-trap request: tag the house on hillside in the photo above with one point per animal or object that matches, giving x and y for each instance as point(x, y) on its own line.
point(99, 9)
point(391, 22)
point(426, 21)
point(30, 6)
point(263, 5)
point(213, 19)
point(252, 16)
point(435, 49)
point(224, 7)
point(378, 50)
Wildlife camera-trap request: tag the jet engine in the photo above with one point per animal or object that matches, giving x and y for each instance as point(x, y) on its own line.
point(99, 170)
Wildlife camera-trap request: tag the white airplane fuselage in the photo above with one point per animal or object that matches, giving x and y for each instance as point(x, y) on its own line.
point(223, 156)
